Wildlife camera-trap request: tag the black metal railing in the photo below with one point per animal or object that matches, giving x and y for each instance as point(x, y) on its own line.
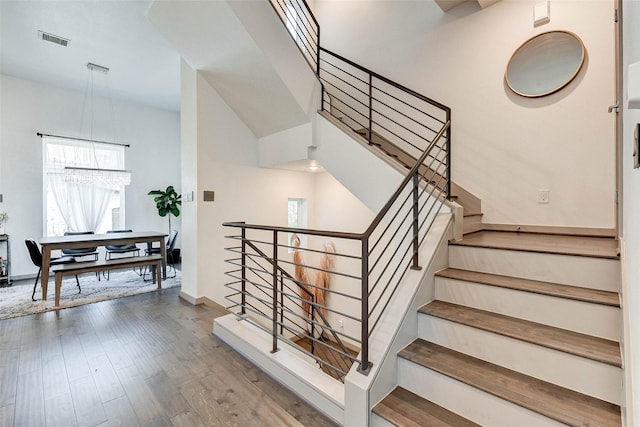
point(397, 120)
point(303, 27)
point(373, 265)
point(263, 288)
point(411, 128)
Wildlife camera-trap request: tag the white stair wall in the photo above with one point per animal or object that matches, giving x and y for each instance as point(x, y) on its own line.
point(366, 175)
point(588, 272)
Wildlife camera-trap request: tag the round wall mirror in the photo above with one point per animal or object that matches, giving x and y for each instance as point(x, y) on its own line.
point(544, 64)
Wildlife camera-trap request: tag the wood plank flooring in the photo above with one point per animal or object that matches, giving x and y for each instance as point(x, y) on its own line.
point(404, 408)
point(145, 360)
point(593, 348)
point(560, 404)
point(601, 247)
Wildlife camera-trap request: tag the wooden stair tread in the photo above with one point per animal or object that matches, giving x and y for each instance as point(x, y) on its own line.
point(577, 293)
point(600, 247)
point(471, 213)
point(404, 408)
point(555, 402)
point(594, 348)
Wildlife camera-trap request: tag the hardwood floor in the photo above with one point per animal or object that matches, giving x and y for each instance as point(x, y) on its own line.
point(146, 360)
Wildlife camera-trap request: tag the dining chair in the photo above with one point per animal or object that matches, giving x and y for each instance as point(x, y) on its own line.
point(170, 248)
point(36, 258)
point(120, 249)
point(81, 252)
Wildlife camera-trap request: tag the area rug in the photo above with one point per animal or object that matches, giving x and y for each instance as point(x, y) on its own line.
point(16, 300)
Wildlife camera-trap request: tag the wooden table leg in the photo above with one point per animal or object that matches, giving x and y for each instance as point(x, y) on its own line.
point(58, 287)
point(44, 278)
point(159, 276)
point(163, 252)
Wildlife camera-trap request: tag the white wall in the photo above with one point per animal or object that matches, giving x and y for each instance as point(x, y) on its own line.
point(27, 107)
point(224, 158)
point(505, 147)
point(631, 226)
point(337, 209)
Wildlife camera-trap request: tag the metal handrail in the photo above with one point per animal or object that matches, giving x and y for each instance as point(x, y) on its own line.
point(386, 80)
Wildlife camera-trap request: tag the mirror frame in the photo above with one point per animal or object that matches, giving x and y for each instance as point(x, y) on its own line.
point(568, 80)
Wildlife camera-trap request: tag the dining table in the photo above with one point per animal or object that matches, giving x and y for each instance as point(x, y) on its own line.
point(51, 243)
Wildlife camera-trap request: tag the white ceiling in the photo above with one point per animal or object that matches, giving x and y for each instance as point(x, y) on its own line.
point(116, 34)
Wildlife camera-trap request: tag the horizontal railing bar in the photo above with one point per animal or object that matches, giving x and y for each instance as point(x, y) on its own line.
point(400, 125)
point(347, 95)
point(350, 276)
point(404, 182)
point(267, 283)
point(398, 136)
point(333, 349)
point(323, 327)
point(386, 80)
point(302, 248)
point(393, 256)
point(312, 232)
point(306, 21)
point(353, 76)
point(390, 223)
point(329, 309)
point(437, 119)
point(333, 107)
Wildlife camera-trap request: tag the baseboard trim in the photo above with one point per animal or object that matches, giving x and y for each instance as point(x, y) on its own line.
point(201, 301)
point(552, 229)
point(190, 299)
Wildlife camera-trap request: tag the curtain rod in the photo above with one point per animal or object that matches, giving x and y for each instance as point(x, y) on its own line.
point(82, 139)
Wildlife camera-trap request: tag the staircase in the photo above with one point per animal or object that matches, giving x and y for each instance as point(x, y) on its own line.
point(523, 331)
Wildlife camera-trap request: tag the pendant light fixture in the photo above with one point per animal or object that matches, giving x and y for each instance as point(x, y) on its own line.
point(97, 175)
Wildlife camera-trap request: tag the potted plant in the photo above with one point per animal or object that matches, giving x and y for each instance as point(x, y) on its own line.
point(4, 217)
point(167, 202)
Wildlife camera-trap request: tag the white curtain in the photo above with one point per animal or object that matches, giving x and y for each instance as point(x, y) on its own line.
point(83, 206)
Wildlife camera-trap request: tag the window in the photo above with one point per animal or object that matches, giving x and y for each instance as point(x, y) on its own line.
point(297, 217)
point(70, 206)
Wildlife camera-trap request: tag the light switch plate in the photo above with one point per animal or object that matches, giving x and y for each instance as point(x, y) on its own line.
point(209, 196)
point(541, 13)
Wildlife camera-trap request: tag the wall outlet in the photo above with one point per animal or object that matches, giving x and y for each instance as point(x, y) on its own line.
point(543, 196)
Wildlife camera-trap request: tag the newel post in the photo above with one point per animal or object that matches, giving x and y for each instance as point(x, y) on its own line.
point(416, 226)
point(365, 365)
point(274, 314)
point(243, 262)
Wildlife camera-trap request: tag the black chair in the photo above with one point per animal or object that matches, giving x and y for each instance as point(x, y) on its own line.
point(36, 258)
point(170, 247)
point(120, 249)
point(81, 252)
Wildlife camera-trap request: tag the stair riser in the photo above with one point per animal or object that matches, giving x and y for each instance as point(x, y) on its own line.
point(578, 316)
point(472, 224)
point(566, 370)
point(467, 401)
point(589, 272)
point(377, 421)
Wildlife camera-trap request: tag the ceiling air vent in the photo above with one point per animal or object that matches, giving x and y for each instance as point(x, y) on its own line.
point(53, 38)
